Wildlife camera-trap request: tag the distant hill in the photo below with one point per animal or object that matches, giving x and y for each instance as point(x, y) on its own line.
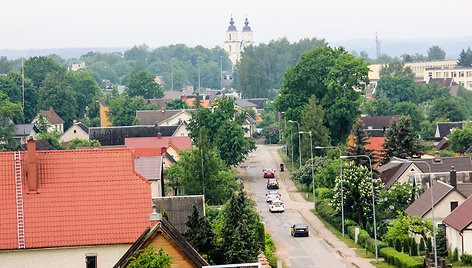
point(65, 53)
point(395, 48)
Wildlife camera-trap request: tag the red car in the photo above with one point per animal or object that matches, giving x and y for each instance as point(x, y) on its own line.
point(269, 173)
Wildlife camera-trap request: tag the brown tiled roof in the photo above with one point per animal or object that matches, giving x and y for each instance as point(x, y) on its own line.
point(161, 103)
point(41, 145)
point(53, 117)
point(171, 233)
point(377, 122)
point(423, 203)
point(149, 167)
point(179, 208)
point(461, 217)
point(443, 82)
point(153, 117)
point(465, 189)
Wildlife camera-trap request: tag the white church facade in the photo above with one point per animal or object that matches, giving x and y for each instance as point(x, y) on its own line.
point(233, 46)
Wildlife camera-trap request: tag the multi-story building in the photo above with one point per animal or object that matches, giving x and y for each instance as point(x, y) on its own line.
point(460, 75)
point(233, 46)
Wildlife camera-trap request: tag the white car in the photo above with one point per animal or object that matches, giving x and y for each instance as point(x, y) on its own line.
point(272, 196)
point(276, 206)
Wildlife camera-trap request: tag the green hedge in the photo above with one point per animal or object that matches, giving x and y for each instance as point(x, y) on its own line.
point(399, 259)
point(324, 193)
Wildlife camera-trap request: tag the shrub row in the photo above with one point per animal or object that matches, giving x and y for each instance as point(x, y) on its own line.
point(399, 259)
point(466, 259)
point(364, 239)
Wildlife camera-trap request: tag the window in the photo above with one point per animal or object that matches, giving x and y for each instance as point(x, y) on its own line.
point(454, 204)
point(453, 74)
point(446, 74)
point(461, 74)
point(438, 75)
point(91, 261)
point(430, 74)
point(469, 74)
point(75, 131)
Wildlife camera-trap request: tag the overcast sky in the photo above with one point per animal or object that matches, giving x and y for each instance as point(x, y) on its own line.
point(119, 23)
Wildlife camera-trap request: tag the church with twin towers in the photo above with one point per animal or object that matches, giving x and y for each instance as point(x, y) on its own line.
point(233, 46)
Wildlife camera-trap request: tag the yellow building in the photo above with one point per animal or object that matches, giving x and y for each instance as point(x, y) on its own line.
point(460, 75)
point(104, 122)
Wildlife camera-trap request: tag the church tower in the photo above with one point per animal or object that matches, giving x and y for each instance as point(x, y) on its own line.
point(232, 45)
point(246, 36)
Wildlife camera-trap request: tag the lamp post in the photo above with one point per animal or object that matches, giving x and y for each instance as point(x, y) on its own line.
point(285, 131)
point(341, 175)
point(312, 170)
point(291, 142)
point(299, 142)
point(400, 160)
point(373, 199)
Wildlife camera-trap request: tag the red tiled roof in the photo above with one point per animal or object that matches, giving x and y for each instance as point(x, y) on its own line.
point(53, 117)
point(178, 143)
point(86, 197)
point(376, 144)
point(461, 217)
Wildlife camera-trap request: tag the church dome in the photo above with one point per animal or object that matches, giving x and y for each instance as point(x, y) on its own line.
point(246, 27)
point(231, 27)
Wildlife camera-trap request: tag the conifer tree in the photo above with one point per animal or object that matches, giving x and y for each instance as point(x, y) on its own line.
point(200, 233)
point(400, 139)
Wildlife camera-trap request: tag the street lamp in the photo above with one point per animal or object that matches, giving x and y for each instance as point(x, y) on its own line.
point(299, 142)
point(341, 175)
point(373, 200)
point(400, 160)
point(285, 131)
point(312, 170)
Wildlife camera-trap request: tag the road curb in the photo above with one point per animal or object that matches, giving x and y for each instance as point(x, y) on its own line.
point(312, 227)
point(355, 265)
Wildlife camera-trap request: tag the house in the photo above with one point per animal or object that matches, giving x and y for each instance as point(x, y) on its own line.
point(184, 116)
point(443, 129)
point(104, 121)
point(446, 199)
point(155, 117)
point(162, 234)
point(110, 136)
point(176, 94)
point(417, 172)
point(375, 126)
point(151, 168)
point(457, 74)
point(41, 145)
point(259, 102)
point(161, 103)
point(22, 132)
point(179, 208)
point(143, 145)
point(459, 228)
point(55, 121)
point(250, 125)
point(76, 131)
point(70, 208)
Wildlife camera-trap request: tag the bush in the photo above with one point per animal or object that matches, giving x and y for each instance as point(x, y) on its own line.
point(324, 193)
point(414, 247)
point(455, 255)
point(422, 248)
point(328, 213)
point(399, 259)
point(466, 259)
point(269, 250)
point(406, 246)
point(430, 245)
point(398, 245)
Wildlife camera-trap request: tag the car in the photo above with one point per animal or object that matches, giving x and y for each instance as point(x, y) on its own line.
point(276, 206)
point(272, 195)
point(272, 184)
point(269, 173)
point(299, 230)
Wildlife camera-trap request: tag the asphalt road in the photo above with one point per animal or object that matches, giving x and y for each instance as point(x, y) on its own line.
point(299, 252)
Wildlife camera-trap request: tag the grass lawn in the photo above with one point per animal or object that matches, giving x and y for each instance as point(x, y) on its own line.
point(382, 264)
point(347, 240)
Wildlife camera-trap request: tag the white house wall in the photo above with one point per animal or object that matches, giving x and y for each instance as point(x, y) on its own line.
point(443, 208)
point(70, 135)
point(107, 256)
point(454, 239)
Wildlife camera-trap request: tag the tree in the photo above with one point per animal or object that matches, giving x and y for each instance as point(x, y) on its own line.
point(200, 234)
point(465, 58)
point(176, 104)
point(331, 74)
point(396, 199)
point(233, 146)
point(441, 242)
point(447, 107)
point(9, 113)
point(82, 143)
point(37, 68)
point(396, 68)
point(312, 121)
point(11, 85)
point(461, 139)
point(360, 142)
point(400, 139)
point(252, 79)
point(436, 53)
point(148, 258)
point(142, 84)
point(5, 65)
point(357, 185)
point(396, 89)
point(52, 138)
point(412, 110)
point(320, 163)
point(85, 88)
point(122, 111)
point(57, 92)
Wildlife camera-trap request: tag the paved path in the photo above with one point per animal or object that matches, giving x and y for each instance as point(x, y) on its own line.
point(322, 248)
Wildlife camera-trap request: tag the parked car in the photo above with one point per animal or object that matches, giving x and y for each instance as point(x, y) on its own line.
point(272, 184)
point(276, 206)
point(299, 230)
point(269, 173)
point(272, 195)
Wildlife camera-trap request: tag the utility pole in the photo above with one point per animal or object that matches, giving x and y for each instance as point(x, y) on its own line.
point(221, 72)
point(172, 74)
point(198, 74)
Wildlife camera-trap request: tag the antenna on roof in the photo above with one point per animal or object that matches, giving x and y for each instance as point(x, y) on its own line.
point(377, 44)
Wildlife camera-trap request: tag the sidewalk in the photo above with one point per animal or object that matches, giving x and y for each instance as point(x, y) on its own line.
point(347, 253)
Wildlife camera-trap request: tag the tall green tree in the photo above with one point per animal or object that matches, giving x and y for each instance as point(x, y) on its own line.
point(436, 53)
point(122, 111)
point(396, 89)
point(176, 104)
point(142, 84)
point(312, 121)
point(11, 85)
point(360, 142)
point(400, 139)
point(5, 65)
point(200, 234)
point(396, 68)
point(85, 89)
point(448, 107)
point(461, 139)
point(37, 68)
point(253, 81)
point(9, 113)
point(465, 58)
point(397, 198)
point(331, 74)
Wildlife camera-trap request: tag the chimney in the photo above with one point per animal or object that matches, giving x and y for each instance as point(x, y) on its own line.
point(159, 135)
point(184, 97)
point(75, 121)
point(170, 141)
point(453, 178)
point(51, 109)
point(155, 217)
point(32, 171)
point(437, 157)
point(163, 150)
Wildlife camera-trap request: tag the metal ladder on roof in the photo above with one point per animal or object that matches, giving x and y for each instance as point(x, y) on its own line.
point(19, 201)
